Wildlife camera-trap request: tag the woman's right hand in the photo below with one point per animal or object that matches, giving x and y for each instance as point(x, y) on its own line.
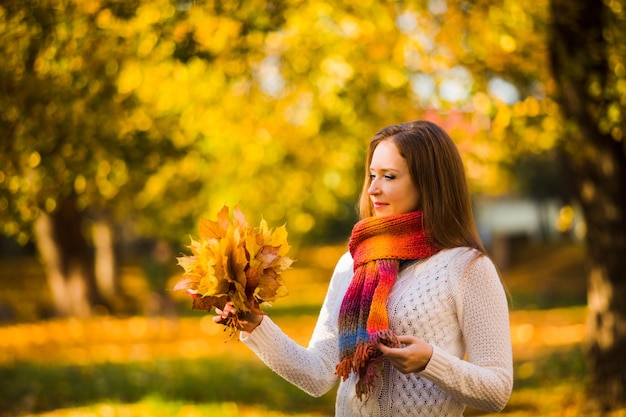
point(248, 322)
point(413, 355)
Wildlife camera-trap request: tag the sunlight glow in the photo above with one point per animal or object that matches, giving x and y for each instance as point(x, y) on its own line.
point(503, 90)
point(456, 84)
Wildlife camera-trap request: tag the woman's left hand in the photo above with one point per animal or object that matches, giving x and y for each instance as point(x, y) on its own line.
point(413, 356)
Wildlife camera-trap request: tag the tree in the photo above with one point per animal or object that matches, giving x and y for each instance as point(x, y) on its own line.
point(588, 52)
point(76, 147)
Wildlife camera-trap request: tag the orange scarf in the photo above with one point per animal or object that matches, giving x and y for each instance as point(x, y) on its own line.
point(377, 246)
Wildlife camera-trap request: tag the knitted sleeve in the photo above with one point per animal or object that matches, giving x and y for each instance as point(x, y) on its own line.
point(485, 379)
point(312, 369)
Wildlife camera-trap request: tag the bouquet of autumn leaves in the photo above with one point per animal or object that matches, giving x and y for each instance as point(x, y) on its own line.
point(232, 261)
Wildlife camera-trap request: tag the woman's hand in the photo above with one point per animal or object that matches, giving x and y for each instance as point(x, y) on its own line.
point(412, 357)
point(248, 322)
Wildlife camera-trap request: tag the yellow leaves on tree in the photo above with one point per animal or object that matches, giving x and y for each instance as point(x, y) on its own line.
point(232, 261)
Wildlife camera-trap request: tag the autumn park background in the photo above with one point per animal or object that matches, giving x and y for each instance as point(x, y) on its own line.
point(123, 122)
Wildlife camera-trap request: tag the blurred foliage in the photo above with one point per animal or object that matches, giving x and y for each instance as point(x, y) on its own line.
point(162, 111)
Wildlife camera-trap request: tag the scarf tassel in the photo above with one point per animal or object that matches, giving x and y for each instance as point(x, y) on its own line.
point(366, 361)
point(344, 368)
point(356, 362)
point(364, 353)
point(386, 337)
point(368, 377)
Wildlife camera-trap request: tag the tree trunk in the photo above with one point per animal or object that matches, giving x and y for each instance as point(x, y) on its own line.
point(105, 257)
point(597, 164)
point(68, 260)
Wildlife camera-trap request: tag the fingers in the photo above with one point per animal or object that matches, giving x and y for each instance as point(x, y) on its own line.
point(229, 308)
point(405, 341)
point(386, 350)
point(222, 315)
point(413, 355)
point(229, 312)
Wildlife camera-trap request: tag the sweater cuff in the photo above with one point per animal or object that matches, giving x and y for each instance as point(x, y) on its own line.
point(438, 366)
point(260, 335)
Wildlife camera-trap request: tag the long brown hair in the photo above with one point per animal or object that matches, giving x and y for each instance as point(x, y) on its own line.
point(438, 173)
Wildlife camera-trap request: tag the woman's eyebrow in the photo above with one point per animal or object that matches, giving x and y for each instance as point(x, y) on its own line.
point(384, 169)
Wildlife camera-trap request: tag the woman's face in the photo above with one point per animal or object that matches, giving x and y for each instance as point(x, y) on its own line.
point(391, 188)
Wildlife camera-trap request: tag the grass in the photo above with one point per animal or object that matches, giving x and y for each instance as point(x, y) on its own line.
point(215, 381)
point(130, 363)
point(142, 365)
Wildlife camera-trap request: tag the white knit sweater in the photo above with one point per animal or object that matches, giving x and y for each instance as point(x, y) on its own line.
point(453, 301)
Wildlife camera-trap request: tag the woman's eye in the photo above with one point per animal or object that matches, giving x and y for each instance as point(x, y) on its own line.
point(386, 176)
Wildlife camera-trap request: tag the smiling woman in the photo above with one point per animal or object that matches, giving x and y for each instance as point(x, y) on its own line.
point(415, 317)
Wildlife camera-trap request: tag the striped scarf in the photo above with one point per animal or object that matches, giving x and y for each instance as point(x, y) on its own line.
point(377, 245)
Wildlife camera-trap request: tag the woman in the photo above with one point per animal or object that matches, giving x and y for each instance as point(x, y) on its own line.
point(415, 320)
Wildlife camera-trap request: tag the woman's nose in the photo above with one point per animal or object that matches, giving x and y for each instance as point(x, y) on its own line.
point(373, 188)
